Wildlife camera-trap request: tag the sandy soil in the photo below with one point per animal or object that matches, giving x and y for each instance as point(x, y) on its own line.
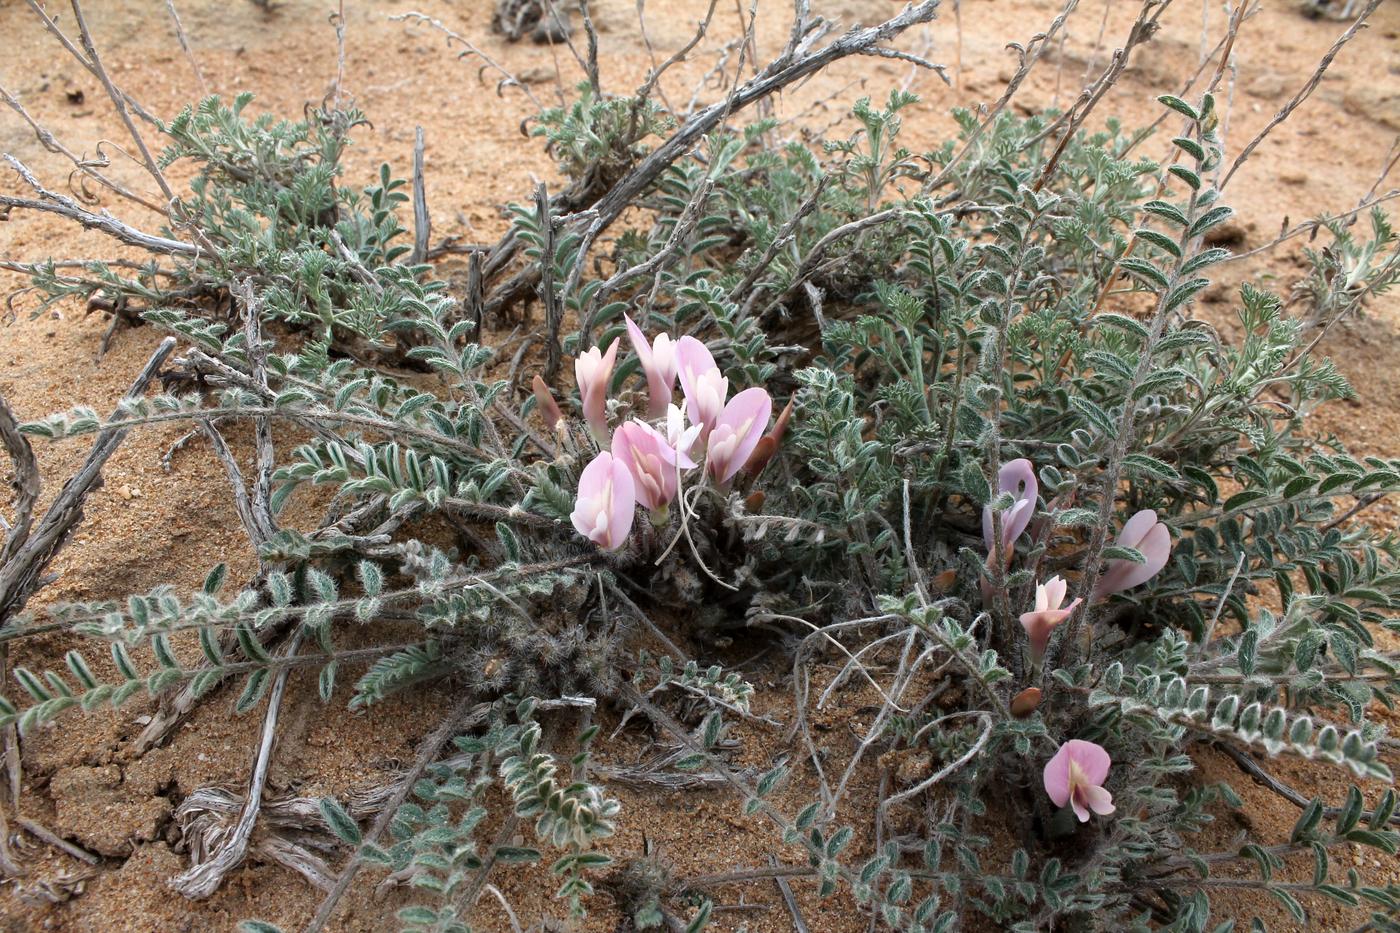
point(149, 525)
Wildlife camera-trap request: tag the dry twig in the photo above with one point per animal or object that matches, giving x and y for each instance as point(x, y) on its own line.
point(1304, 92)
point(211, 866)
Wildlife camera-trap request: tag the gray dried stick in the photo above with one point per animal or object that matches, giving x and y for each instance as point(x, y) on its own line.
point(204, 877)
point(798, 61)
point(21, 573)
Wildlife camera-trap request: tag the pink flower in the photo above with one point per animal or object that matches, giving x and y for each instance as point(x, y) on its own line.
point(654, 464)
point(1151, 538)
point(658, 362)
point(606, 502)
point(704, 387)
point(1047, 614)
point(737, 433)
point(1075, 777)
point(1018, 478)
point(593, 371)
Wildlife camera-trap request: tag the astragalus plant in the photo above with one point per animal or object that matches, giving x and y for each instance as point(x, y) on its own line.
point(945, 420)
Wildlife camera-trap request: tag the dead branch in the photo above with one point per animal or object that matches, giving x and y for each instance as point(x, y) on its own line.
point(184, 41)
point(209, 866)
point(262, 426)
point(77, 54)
point(1311, 227)
point(29, 549)
point(20, 575)
point(785, 236)
point(175, 711)
point(797, 62)
point(422, 223)
point(27, 481)
point(338, 22)
point(469, 49)
point(654, 77)
point(553, 307)
point(88, 167)
point(46, 835)
point(655, 264)
point(254, 509)
point(1143, 28)
point(241, 503)
point(1304, 92)
point(505, 905)
point(9, 864)
point(799, 925)
point(1029, 55)
point(590, 66)
point(297, 858)
point(290, 828)
point(55, 203)
point(119, 101)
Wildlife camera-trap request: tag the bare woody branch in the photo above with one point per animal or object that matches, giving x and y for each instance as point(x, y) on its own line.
point(55, 203)
point(22, 572)
point(1304, 92)
point(797, 62)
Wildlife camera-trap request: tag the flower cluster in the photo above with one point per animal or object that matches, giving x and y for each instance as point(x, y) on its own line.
point(643, 461)
point(1074, 777)
point(1143, 533)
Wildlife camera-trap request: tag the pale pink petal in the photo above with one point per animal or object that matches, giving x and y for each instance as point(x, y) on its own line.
point(658, 363)
point(1136, 527)
point(583, 522)
point(610, 357)
point(622, 447)
point(651, 461)
point(548, 407)
point(622, 506)
point(592, 483)
point(705, 388)
point(1111, 581)
point(1098, 799)
point(584, 365)
point(663, 357)
point(639, 342)
point(1075, 777)
point(594, 478)
point(747, 415)
point(593, 372)
point(1056, 777)
point(1055, 589)
point(1018, 478)
point(1039, 626)
point(692, 359)
point(679, 437)
point(1152, 539)
point(1091, 758)
point(681, 454)
point(605, 505)
point(707, 402)
point(1016, 519)
point(1156, 548)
